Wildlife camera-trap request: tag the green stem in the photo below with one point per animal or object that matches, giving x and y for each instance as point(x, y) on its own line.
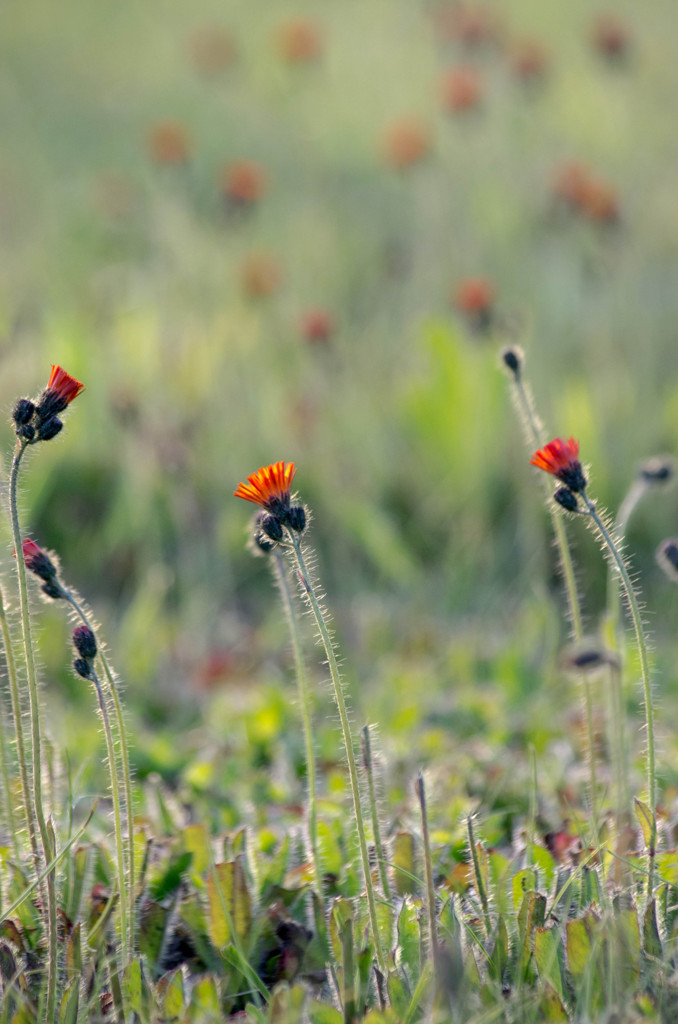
point(428, 870)
point(535, 437)
point(480, 884)
point(126, 774)
point(645, 675)
point(305, 703)
point(348, 742)
point(376, 829)
point(16, 714)
point(590, 735)
point(115, 793)
point(34, 706)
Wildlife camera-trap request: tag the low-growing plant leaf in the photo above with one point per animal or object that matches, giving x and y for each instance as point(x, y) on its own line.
point(409, 937)
point(170, 880)
point(196, 841)
point(135, 989)
point(551, 1005)
point(287, 1004)
point(170, 992)
point(647, 824)
point(398, 995)
point(229, 902)
point(329, 850)
point(152, 924)
point(70, 1003)
point(341, 913)
point(323, 1013)
point(651, 941)
point(500, 951)
point(205, 999)
point(579, 945)
point(548, 952)
point(74, 953)
point(403, 861)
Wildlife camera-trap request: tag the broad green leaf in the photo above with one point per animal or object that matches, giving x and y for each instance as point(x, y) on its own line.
point(580, 942)
point(341, 913)
point(170, 880)
point(500, 951)
point(205, 998)
point(70, 1002)
point(551, 1005)
point(74, 953)
point(626, 951)
point(398, 995)
point(229, 902)
point(196, 840)
point(647, 824)
point(323, 1013)
point(152, 923)
point(404, 868)
point(329, 850)
point(548, 956)
point(522, 881)
point(170, 992)
point(132, 984)
point(287, 1004)
point(409, 937)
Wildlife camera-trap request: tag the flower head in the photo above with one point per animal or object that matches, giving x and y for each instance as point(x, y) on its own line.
point(63, 387)
point(38, 562)
point(561, 458)
point(269, 487)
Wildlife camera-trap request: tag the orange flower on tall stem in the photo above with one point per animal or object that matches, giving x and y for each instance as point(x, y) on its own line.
point(561, 459)
point(269, 486)
point(63, 387)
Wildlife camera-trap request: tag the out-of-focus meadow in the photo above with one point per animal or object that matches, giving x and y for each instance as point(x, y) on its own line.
point(303, 231)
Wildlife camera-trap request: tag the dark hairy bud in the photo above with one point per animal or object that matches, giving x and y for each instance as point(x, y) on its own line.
point(512, 358)
point(566, 498)
point(85, 642)
point(23, 412)
point(82, 668)
point(296, 518)
point(53, 589)
point(271, 527)
point(49, 428)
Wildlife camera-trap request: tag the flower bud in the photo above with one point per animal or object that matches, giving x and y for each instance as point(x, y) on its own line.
point(27, 432)
point(82, 668)
point(38, 561)
point(53, 589)
point(23, 412)
point(49, 428)
point(271, 526)
point(85, 642)
point(566, 498)
point(660, 469)
point(296, 518)
point(512, 358)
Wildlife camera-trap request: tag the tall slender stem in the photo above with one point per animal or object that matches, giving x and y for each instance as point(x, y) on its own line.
point(305, 703)
point(348, 741)
point(115, 793)
point(36, 739)
point(644, 671)
point(16, 714)
point(126, 775)
point(376, 829)
point(428, 870)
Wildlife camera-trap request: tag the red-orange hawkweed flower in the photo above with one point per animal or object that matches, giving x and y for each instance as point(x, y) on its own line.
point(611, 37)
point(299, 41)
point(561, 459)
point(269, 486)
point(461, 90)
point(243, 182)
point(405, 142)
point(529, 61)
point(62, 387)
point(317, 326)
point(212, 49)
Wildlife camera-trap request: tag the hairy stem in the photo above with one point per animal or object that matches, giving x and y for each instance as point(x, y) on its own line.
point(18, 729)
point(428, 870)
point(376, 828)
point(348, 741)
point(629, 592)
point(36, 737)
point(305, 704)
point(126, 777)
point(115, 793)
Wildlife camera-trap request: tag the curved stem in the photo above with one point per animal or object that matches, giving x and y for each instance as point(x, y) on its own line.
point(126, 777)
point(645, 674)
point(115, 793)
point(305, 703)
point(36, 739)
point(348, 742)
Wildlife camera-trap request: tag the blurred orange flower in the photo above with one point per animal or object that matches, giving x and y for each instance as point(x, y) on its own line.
point(461, 89)
point(529, 61)
point(243, 182)
point(168, 143)
point(299, 40)
point(317, 325)
point(470, 25)
point(406, 142)
point(475, 296)
point(611, 37)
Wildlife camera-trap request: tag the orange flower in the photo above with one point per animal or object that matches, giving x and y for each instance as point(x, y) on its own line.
point(406, 142)
point(611, 37)
point(243, 182)
point(529, 61)
point(168, 143)
point(474, 296)
point(317, 325)
point(299, 41)
point(269, 487)
point(212, 50)
point(561, 459)
point(62, 388)
point(461, 90)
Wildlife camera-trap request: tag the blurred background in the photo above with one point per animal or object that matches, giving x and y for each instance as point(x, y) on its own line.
point(303, 231)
